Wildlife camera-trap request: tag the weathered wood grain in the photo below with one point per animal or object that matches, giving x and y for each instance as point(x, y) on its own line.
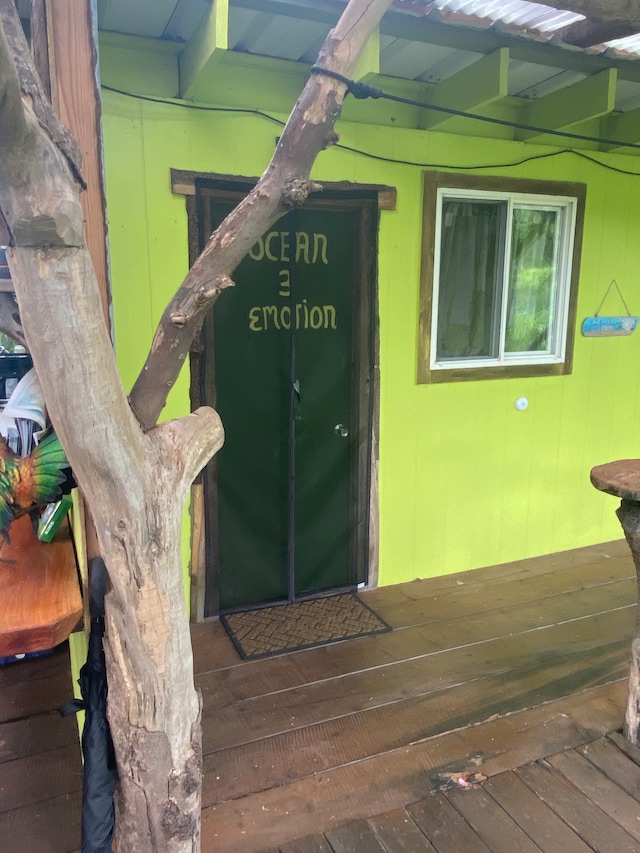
point(589, 821)
point(490, 822)
point(399, 833)
point(445, 827)
point(540, 823)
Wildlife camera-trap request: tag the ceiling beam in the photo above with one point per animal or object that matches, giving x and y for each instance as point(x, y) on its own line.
point(428, 31)
point(596, 31)
point(590, 98)
point(204, 48)
point(624, 126)
point(476, 86)
point(539, 52)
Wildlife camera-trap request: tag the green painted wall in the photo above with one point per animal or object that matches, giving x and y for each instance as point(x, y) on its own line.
point(465, 479)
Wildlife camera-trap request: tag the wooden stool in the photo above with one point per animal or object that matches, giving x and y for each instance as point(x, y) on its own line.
point(622, 479)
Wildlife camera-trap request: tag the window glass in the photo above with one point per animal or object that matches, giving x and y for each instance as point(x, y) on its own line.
point(470, 280)
point(499, 277)
point(499, 280)
point(533, 280)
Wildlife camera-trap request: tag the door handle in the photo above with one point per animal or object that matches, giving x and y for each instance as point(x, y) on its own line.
point(341, 430)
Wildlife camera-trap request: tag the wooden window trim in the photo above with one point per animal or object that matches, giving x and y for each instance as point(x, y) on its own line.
point(433, 181)
point(183, 182)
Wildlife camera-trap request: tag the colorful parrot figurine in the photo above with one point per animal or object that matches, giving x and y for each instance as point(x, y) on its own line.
point(31, 481)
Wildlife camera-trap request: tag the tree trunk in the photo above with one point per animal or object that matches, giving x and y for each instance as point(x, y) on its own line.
point(136, 485)
point(135, 475)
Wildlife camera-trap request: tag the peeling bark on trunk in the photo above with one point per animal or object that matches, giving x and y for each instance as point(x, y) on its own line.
point(135, 475)
point(136, 484)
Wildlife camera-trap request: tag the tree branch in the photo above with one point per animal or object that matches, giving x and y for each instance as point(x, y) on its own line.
point(188, 443)
point(284, 185)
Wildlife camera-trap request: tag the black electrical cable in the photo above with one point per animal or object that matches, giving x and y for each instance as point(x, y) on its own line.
point(380, 157)
point(189, 106)
point(361, 90)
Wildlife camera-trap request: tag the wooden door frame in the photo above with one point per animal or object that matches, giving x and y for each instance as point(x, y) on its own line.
point(381, 198)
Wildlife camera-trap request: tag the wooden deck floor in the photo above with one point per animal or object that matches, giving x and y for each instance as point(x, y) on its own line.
point(515, 673)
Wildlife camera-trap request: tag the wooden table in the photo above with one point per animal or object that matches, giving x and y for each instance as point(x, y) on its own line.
point(622, 479)
point(40, 600)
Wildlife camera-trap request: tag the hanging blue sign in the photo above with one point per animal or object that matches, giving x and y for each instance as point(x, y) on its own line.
point(603, 327)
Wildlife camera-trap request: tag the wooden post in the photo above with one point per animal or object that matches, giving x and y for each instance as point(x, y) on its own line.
point(65, 54)
point(63, 34)
point(622, 479)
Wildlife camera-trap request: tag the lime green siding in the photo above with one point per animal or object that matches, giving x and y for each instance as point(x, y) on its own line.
point(466, 480)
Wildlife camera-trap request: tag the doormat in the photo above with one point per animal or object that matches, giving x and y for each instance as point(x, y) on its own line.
point(302, 625)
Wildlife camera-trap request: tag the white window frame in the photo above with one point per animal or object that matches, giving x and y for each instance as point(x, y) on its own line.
point(525, 194)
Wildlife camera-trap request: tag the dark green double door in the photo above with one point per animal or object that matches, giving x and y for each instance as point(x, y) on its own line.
point(287, 362)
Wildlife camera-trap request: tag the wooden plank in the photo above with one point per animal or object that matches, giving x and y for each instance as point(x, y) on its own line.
point(476, 86)
point(39, 590)
point(77, 101)
point(540, 823)
point(40, 777)
point(464, 600)
point(624, 127)
point(35, 697)
point(183, 183)
point(394, 779)
point(249, 720)
point(445, 827)
point(198, 555)
point(36, 734)
point(560, 575)
point(590, 98)
point(354, 837)
point(629, 749)
point(40, 43)
point(491, 823)
point(212, 649)
point(300, 752)
point(604, 755)
point(399, 833)
point(203, 50)
point(592, 824)
point(255, 678)
point(480, 40)
point(54, 665)
point(553, 565)
point(52, 827)
point(311, 844)
point(599, 789)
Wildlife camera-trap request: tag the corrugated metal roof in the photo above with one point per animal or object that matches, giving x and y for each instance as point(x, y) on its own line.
point(516, 14)
point(629, 45)
point(178, 19)
point(519, 14)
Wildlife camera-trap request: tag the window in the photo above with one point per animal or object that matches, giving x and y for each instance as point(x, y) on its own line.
point(499, 277)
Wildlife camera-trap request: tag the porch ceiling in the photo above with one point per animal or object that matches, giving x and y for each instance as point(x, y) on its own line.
point(435, 47)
